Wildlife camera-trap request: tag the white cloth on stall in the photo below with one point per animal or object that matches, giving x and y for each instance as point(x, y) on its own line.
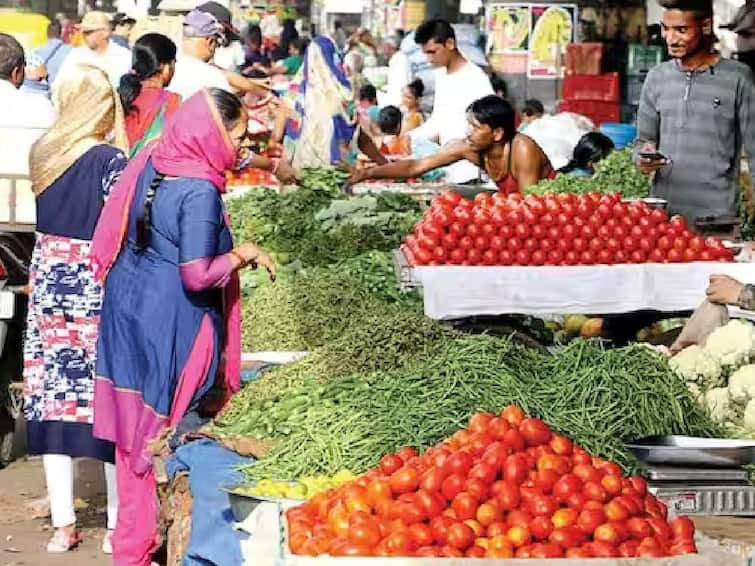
point(192, 75)
point(454, 92)
point(453, 292)
point(558, 135)
point(59, 478)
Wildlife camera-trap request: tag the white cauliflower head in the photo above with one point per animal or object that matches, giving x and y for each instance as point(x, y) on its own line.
point(732, 344)
point(749, 416)
point(718, 404)
point(695, 365)
point(742, 383)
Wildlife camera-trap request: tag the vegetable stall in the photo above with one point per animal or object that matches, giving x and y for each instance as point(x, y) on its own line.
point(396, 434)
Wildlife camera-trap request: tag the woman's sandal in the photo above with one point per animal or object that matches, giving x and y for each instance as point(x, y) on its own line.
point(63, 542)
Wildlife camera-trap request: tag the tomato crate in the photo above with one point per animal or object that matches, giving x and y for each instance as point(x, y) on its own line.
point(584, 58)
point(597, 111)
point(604, 88)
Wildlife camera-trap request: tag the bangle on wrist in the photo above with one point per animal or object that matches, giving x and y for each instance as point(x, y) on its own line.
point(238, 256)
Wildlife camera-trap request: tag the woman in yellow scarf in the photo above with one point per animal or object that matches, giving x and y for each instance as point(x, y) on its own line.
point(73, 166)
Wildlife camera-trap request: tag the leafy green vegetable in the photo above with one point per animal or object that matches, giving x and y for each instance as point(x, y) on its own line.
point(616, 173)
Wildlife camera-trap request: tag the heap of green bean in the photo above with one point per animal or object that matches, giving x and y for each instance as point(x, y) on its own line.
point(600, 398)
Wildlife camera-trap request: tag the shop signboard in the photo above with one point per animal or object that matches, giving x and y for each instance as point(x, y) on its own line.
point(525, 38)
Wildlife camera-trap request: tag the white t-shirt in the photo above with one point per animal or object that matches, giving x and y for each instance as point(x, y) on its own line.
point(192, 75)
point(24, 109)
point(116, 62)
point(454, 92)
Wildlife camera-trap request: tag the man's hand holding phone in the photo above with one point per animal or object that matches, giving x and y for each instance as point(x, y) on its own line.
point(651, 160)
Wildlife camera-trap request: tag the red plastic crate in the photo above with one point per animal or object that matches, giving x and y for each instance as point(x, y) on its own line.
point(597, 111)
point(584, 58)
point(604, 88)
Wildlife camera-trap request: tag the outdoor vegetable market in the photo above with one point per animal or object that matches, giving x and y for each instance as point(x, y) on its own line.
point(313, 284)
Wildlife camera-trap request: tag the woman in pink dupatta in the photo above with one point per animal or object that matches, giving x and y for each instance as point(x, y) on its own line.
point(170, 315)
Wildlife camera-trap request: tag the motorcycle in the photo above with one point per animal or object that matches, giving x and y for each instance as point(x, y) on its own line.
point(15, 258)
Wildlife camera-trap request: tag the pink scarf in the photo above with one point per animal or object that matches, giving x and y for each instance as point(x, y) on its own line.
point(195, 145)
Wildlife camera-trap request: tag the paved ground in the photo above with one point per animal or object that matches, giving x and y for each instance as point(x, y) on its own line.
point(23, 537)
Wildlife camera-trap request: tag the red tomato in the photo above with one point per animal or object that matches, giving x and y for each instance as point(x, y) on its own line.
point(587, 258)
point(522, 231)
point(515, 469)
point(629, 549)
point(508, 496)
point(674, 256)
point(460, 536)
point(538, 232)
point(682, 528)
point(535, 432)
point(571, 258)
point(390, 463)
point(639, 528)
point(452, 486)
point(404, 480)
point(477, 488)
point(545, 480)
point(594, 491)
point(658, 216)
point(439, 527)
point(590, 519)
point(522, 258)
point(656, 256)
point(661, 529)
point(519, 518)
point(540, 528)
point(543, 506)
point(567, 537)
point(465, 506)
point(364, 533)
point(612, 484)
point(519, 536)
point(607, 533)
point(602, 549)
point(565, 517)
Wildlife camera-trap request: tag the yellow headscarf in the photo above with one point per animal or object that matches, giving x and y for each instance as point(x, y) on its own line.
point(89, 111)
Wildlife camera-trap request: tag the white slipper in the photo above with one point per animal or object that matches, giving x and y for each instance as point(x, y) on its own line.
point(107, 543)
point(61, 542)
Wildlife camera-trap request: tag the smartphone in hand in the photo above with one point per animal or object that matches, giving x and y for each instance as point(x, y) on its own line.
point(653, 156)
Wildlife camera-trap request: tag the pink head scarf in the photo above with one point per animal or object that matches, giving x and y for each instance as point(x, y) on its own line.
point(194, 145)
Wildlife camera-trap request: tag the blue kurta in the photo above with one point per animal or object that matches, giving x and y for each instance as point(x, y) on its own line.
point(149, 320)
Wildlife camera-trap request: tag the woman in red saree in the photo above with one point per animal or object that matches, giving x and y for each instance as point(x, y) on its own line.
point(171, 307)
point(144, 97)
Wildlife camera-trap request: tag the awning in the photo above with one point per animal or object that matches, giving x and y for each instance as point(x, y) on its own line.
point(343, 6)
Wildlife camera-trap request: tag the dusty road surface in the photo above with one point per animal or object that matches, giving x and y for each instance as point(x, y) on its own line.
point(23, 537)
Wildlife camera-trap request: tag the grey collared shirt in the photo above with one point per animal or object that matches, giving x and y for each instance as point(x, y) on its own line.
point(701, 120)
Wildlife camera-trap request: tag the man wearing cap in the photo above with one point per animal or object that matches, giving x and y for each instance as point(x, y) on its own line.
point(697, 111)
point(203, 34)
point(99, 50)
point(194, 72)
point(122, 24)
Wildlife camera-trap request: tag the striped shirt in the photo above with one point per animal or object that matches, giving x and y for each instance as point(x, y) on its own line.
point(700, 120)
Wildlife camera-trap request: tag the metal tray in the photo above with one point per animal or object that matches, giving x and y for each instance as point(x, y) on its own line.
point(242, 505)
point(692, 451)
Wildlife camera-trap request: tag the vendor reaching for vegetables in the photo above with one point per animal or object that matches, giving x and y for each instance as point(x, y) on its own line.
point(513, 161)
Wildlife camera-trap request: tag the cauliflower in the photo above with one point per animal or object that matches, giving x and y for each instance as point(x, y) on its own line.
point(718, 403)
point(749, 417)
point(742, 383)
point(694, 365)
point(732, 345)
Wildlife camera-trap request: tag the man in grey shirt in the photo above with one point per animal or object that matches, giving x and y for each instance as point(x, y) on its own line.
point(698, 112)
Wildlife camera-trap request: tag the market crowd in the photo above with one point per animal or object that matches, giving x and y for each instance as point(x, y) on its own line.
point(134, 312)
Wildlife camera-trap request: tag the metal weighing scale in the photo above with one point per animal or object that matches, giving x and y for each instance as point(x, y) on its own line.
point(697, 476)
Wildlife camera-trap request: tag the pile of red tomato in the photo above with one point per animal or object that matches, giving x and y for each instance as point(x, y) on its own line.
point(505, 487)
point(558, 229)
